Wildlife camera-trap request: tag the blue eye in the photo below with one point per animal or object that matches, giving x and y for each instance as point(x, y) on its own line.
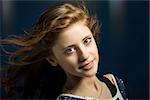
point(69, 50)
point(88, 41)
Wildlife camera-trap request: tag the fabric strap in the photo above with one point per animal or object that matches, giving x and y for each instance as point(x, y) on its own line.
point(109, 84)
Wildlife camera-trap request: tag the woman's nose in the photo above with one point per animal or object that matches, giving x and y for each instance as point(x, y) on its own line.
point(83, 54)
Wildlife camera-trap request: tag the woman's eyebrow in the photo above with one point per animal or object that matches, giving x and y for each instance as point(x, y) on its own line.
point(86, 37)
point(69, 46)
point(73, 45)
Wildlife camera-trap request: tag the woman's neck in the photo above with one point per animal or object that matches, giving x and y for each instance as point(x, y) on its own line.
point(82, 86)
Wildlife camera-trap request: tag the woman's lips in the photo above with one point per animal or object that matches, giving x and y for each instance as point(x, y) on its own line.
point(87, 66)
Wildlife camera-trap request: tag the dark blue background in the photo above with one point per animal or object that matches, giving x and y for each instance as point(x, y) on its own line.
point(124, 42)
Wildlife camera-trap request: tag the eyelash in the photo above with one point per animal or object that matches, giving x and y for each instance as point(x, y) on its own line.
point(71, 50)
point(68, 50)
point(88, 41)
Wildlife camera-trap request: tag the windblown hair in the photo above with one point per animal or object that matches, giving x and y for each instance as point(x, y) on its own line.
point(29, 61)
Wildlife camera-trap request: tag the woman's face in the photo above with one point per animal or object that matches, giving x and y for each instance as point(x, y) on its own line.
point(76, 52)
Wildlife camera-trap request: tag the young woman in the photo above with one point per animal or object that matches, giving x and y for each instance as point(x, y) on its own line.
point(58, 59)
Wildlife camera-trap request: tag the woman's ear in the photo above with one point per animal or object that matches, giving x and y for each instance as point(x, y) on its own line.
point(52, 61)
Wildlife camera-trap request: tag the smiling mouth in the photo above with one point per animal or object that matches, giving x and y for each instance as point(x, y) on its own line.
point(87, 66)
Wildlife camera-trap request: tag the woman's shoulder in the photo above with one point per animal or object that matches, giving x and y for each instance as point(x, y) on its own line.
point(114, 79)
point(118, 83)
point(110, 76)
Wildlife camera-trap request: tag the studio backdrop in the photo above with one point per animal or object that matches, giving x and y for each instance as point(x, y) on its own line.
point(124, 36)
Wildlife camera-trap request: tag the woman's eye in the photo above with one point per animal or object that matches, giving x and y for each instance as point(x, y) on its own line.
point(69, 50)
point(88, 41)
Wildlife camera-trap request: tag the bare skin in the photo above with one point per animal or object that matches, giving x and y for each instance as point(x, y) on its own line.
point(91, 87)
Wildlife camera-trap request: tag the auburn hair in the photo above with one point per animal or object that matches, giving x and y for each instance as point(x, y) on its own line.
point(30, 59)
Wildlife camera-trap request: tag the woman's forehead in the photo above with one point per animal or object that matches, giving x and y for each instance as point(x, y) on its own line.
point(75, 31)
point(73, 34)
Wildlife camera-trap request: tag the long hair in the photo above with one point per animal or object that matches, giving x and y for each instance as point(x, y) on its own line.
point(29, 63)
